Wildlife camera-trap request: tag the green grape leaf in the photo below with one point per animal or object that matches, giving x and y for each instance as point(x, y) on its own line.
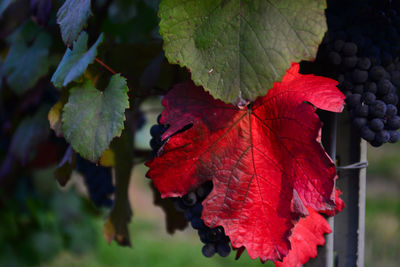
point(25, 65)
point(75, 61)
point(72, 17)
point(92, 118)
point(237, 49)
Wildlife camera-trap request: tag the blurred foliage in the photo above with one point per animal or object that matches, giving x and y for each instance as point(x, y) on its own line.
point(37, 221)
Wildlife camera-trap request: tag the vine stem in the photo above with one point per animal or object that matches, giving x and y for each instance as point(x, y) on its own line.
point(105, 66)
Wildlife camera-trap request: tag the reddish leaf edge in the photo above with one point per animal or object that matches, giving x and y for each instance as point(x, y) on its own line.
point(313, 224)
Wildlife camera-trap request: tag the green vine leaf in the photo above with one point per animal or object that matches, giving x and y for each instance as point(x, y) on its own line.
point(237, 49)
point(92, 118)
point(75, 61)
point(25, 65)
point(72, 17)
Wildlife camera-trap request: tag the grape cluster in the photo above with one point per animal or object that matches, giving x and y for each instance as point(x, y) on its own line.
point(156, 132)
point(362, 46)
point(214, 239)
point(98, 180)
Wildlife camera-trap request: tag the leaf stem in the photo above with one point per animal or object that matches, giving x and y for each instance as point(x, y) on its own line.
point(105, 66)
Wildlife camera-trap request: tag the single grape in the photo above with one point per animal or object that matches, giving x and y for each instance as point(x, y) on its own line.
point(382, 136)
point(208, 250)
point(364, 63)
point(338, 45)
point(358, 89)
point(349, 49)
point(394, 136)
point(368, 98)
point(367, 134)
point(189, 199)
point(371, 87)
point(353, 100)
point(377, 73)
point(376, 124)
point(377, 109)
point(394, 123)
point(350, 62)
point(223, 249)
point(360, 76)
point(361, 110)
point(197, 222)
point(391, 110)
point(384, 87)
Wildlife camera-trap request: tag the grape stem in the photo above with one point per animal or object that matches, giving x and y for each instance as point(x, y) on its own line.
point(105, 66)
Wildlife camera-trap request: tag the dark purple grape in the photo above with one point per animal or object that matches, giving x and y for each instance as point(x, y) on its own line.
point(338, 45)
point(377, 109)
point(367, 134)
point(197, 222)
point(391, 110)
point(376, 143)
point(208, 250)
point(203, 190)
point(353, 100)
point(371, 87)
point(223, 249)
point(203, 234)
point(188, 214)
point(382, 136)
point(394, 136)
point(350, 62)
point(368, 98)
point(197, 209)
point(391, 98)
point(155, 144)
point(189, 199)
point(359, 76)
point(361, 110)
point(384, 87)
point(376, 124)
point(155, 130)
point(394, 123)
point(349, 49)
point(348, 86)
point(377, 72)
point(358, 89)
point(363, 63)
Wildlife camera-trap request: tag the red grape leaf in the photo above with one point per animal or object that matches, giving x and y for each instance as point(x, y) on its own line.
point(339, 205)
point(308, 234)
point(264, 159)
